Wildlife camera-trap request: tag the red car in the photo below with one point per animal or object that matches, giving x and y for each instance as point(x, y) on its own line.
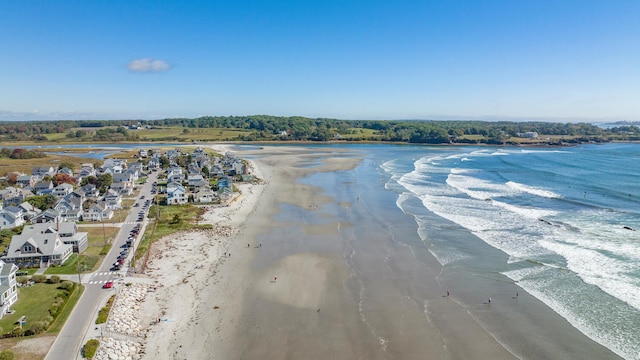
point(108, 285)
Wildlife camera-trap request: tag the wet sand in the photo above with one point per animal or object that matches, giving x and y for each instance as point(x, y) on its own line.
point(346, 287)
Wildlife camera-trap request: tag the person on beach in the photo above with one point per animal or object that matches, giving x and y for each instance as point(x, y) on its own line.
point(489, 300)
point(275, 279)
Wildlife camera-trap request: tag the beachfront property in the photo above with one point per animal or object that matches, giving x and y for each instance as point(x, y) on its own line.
point(37, 250)
point(176, 194)
point(8, 287)
point(204, 195)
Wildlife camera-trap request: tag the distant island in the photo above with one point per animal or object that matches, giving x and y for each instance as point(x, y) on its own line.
point(265, 128)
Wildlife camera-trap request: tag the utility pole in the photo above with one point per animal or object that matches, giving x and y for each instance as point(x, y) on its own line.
point(78, 266)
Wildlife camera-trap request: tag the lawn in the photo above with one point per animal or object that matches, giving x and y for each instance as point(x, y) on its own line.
point(87, 264)
point(34, 303)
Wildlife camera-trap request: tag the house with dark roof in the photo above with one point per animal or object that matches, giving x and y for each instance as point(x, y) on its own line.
point(42, 171)
point(43, 187)
point(26, 180)
point(90, 191)
point(49, 215)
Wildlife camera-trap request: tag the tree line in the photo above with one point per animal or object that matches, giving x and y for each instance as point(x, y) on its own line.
point(297, 128)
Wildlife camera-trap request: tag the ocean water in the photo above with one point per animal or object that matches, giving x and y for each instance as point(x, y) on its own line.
point(568, 220)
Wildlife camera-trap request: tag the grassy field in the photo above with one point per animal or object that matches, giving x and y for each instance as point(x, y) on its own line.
point(172, 219)
point(176, 133)
point(361, 134)
point(26, 165)
point(98, 240)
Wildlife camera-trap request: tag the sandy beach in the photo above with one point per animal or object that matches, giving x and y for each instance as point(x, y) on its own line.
point(283, 274)
point(217, 297)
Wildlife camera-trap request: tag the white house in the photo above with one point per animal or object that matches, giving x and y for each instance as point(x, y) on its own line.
point(62, 190)
point(204, 195)
point(112, 200)
point(11, 216)
point(174, 173)
point(8, 286)
point(97, 212)
point(177, 195)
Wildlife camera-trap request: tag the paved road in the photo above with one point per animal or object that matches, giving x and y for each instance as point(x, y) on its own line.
point(69, 342)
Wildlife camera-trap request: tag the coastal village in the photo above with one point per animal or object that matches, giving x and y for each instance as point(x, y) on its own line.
point(48, 235)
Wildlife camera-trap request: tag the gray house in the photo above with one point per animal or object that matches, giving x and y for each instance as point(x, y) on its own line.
point(68, 231)
point(37, 250)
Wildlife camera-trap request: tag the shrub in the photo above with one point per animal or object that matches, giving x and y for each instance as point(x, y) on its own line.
point(103, 314)
point(22, 279)
point(39, 326)
point(6, 355)
point(39, 278)
point(67, 285)
point(54, 279)
point(90, 348)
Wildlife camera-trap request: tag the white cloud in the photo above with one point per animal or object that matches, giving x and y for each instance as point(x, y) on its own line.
point(148, 66)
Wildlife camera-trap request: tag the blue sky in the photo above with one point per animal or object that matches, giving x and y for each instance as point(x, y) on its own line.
point(491, 60)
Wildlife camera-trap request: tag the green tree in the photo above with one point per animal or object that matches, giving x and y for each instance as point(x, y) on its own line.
point(66, 164)
point(43, 202)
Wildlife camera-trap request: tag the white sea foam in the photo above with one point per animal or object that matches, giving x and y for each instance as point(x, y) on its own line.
point(573, 253)
point(546, 284)
point(474, 187)
point(532, 190)
point(607, 273)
